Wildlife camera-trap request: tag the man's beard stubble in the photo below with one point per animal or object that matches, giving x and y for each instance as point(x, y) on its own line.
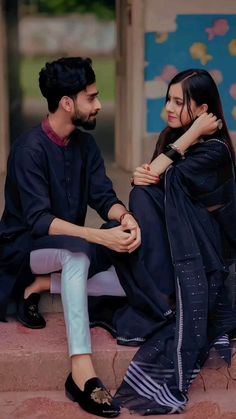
point(79, 122)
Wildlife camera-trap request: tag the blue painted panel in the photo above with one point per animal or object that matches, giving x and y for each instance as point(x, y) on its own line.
point(213, 42)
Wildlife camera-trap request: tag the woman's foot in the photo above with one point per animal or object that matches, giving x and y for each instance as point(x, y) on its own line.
point(95, 398)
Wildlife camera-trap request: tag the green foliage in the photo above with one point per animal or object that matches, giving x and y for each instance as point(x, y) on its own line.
point(103, 9)
point(104, 70)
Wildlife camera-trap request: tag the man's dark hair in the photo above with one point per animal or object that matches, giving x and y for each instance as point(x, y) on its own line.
point(65, 77)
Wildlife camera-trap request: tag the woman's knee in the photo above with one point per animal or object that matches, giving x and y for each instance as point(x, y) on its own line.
point(145, 201)
point(144, 194)
point(138, 196)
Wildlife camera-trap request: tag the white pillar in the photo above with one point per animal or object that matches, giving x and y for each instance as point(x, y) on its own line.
point(4, 106)
point(130, 110)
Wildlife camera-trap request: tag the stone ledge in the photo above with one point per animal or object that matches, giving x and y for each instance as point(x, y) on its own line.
point(37, 359)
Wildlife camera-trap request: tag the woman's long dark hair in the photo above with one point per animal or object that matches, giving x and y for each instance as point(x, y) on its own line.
point(198, 85)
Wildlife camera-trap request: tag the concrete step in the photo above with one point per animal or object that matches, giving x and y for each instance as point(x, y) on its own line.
point(37, 361)
point(54, 404)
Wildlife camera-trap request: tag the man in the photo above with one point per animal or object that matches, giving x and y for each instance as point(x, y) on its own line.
point(54, 172)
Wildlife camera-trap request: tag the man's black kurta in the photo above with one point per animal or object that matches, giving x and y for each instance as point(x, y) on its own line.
point(46, 179)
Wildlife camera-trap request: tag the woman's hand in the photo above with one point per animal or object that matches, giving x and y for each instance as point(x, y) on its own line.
point(205, 124)
point(144, 176)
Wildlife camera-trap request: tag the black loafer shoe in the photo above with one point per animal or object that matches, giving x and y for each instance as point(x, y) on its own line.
point(95, 398)
point(28, 312)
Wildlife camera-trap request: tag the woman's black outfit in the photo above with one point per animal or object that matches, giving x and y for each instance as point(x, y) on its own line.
point(180, 284)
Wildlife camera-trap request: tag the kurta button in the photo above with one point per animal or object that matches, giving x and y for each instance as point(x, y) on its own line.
point(68, 179)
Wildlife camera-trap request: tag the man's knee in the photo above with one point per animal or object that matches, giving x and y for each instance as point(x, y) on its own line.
point(74, 257)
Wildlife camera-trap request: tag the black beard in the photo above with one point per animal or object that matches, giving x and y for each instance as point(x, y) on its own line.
point(88, 125)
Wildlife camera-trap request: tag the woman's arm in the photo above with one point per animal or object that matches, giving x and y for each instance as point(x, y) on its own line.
point(205, 124)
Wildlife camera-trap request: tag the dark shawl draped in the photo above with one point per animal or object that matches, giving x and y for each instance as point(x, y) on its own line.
point(181, 283)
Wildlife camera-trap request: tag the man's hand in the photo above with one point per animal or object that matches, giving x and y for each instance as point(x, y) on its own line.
point(130, 224)
point(118, 239)
point(124, 238)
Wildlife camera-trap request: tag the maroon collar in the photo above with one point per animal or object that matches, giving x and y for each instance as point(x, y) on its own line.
point(46, 127)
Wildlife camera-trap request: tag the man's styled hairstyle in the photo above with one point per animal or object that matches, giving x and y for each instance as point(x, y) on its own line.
point(65, 77)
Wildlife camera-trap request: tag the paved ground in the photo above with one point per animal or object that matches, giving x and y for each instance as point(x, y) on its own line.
point(54, 405)
point(34, 364)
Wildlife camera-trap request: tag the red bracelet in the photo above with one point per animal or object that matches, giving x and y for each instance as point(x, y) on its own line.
point(124, 213)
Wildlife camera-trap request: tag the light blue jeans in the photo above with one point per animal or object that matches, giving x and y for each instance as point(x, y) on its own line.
point(74, 275)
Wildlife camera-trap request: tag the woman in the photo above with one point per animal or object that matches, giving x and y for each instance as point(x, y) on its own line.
point(181, 296)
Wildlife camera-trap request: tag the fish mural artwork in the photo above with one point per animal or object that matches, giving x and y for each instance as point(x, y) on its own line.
point(163, 115)
point(155, 88)
point(217, 76)
point(198, 51)
point(232, 91)
point(168, 72)
point(220, 28)
point(234, 112)
point(232, 47)
point(161, 37)
point(206, 40)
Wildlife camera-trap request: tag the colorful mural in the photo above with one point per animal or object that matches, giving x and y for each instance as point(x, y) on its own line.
point(200, 41)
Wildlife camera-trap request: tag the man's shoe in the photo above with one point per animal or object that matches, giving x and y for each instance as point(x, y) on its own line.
point(95, 398)
point(28, 312)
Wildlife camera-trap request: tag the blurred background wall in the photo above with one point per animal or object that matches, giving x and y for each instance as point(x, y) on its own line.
point(136, 47)
point(188, 34)
point(48, 30)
